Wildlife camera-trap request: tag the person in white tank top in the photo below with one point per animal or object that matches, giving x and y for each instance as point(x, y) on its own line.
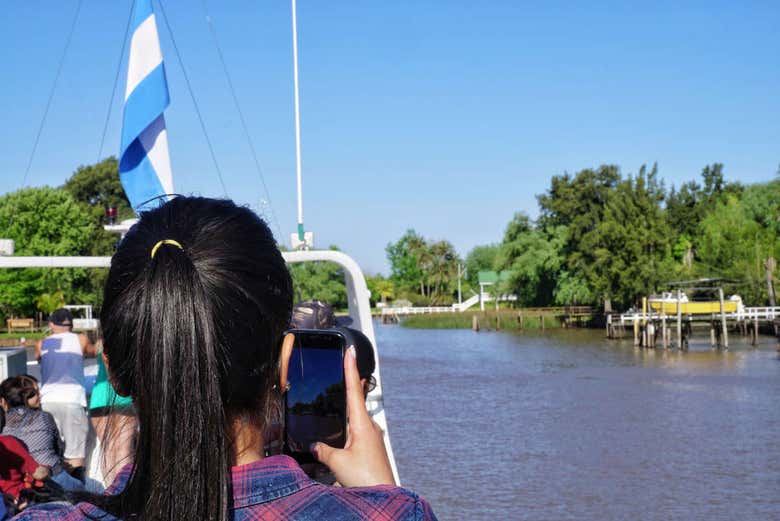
point(61, 356)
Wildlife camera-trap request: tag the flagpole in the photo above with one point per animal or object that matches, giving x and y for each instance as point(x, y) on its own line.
point(297, 123)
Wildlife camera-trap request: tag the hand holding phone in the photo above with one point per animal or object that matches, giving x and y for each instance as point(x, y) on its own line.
point(315, 404)
point(363, 461)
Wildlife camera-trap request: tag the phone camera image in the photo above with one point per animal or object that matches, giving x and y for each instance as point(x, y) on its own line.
point(316, 401)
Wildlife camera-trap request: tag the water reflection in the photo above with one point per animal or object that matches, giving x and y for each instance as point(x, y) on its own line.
point(568, 425)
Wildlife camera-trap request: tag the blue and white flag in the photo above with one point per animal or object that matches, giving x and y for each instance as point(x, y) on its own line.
point(144, 163)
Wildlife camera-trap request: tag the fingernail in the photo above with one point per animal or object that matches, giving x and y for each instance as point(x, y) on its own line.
point(351, 352)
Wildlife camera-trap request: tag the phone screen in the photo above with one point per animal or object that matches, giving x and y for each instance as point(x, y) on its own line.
point(316, 405)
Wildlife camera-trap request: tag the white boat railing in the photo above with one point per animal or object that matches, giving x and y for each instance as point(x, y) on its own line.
point(357, 298)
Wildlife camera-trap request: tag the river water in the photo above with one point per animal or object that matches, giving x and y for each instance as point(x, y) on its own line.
point(569, 425)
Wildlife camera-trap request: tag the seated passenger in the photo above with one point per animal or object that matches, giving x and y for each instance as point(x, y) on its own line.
point(195, 307)
point(18, 469)
point(35, 427)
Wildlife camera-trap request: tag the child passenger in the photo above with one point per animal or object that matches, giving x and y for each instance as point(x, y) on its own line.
point(195, 308)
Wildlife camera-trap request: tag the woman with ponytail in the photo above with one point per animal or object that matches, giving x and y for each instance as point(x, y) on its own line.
point(195, 308)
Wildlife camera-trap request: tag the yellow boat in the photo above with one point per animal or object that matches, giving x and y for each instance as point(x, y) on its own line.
point(668, 304)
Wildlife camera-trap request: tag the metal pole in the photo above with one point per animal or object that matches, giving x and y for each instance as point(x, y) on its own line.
point(297, 122)
point(460, 299)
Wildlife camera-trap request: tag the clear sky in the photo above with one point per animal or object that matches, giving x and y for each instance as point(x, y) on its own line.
point(446, 116)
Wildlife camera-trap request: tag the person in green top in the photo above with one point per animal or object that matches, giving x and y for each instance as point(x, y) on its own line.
point(113, 418)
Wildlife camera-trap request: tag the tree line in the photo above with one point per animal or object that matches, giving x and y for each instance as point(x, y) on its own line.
point(605, 239)
point(601, 238)
point(68, 220)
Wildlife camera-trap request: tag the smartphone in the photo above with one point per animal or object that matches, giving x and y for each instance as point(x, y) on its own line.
point(316, 403)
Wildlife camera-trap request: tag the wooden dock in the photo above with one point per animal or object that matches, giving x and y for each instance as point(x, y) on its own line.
point(650, 328)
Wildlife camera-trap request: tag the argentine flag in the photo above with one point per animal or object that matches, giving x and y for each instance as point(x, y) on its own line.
point(144, 163)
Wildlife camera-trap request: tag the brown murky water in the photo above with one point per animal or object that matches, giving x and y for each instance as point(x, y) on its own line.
point(571, 426)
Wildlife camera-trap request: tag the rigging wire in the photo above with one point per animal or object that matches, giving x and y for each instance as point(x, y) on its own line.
point(51, 93)
point(244, 127)
point(116, 82)
point(194, 101)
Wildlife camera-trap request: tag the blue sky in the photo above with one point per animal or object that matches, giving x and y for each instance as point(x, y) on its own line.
point(444, 116)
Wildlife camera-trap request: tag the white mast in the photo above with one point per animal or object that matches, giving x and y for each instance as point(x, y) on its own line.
point(299, 240)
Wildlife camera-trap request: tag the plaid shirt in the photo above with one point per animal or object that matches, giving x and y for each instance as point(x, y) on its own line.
point(277, 488)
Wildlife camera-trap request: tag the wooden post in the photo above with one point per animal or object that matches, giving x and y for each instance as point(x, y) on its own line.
point(636, 330)
point(609, 326)
point(664, 336)
point(498, 322)
point(520, 318)
point(723, 319)
point(474, 323)
point(755, 330)
point(651, 326)
point(541, 322)
point(679, 320)
point(712, 334)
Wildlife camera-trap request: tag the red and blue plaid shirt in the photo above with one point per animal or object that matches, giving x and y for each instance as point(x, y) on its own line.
point(277, 488)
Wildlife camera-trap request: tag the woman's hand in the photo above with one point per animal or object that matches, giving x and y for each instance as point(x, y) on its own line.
point(363, 461)
point(41, 473)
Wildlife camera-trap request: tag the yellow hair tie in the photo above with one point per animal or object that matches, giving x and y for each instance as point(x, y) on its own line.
point(165, 241)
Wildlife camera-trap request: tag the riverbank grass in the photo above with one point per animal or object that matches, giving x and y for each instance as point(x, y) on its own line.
point(506, 319)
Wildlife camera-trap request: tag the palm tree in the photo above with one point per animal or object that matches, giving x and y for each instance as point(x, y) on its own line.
point(49, 302)
point(385, 289)
point(419, 248)
point(444, 263)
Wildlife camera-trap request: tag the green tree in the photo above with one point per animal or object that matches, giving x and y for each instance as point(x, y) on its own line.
point(533, 258)
point(733, 244)
point(629, 253)
point(480, 258)
point(406, 263)
point(684, 208)
point(49, 302)
point(98, 187)
point(319, 280)
point(578, 202)
point(571, 290)
point(443, 272)
point(42, 221)
point(382, 289)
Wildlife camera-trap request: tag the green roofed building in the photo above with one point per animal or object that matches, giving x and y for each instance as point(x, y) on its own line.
point(490, 278)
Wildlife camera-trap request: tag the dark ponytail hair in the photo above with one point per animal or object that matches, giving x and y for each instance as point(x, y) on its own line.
point(193, 334)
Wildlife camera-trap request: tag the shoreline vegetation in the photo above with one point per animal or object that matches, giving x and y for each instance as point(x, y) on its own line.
point(600, 238)
point(604, 239)
point(488, 320)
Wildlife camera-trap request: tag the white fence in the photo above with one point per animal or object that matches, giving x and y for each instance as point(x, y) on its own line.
point(409, 310)
point(757, 313)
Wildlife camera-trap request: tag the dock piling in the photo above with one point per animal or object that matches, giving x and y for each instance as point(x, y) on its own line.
point(755, 330)
point(712, 334)
point(679, 320)
point(664, 332)
point(725, 333)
